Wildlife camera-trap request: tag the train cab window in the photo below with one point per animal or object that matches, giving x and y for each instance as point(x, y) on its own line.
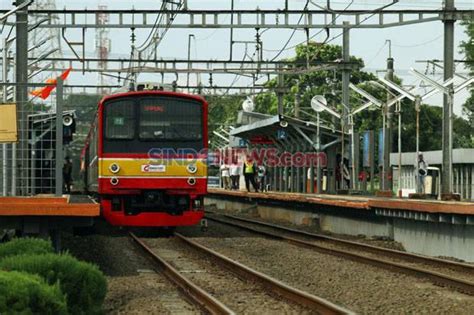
point(170, 119)
point(120, 120)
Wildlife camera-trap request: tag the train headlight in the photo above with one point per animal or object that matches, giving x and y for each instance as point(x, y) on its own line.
point(192, 181)
point(114, 181)
point(114, 168)
point(192, 168)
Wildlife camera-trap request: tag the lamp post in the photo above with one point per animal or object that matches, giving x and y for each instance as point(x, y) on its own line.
point(438, 87)
point(447, 89)
point(398, 111)
point(319, 104)
point(372, 101)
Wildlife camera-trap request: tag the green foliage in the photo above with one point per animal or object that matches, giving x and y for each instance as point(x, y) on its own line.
point(222, 112)
point(322, 82)
point(22, 293)
point(19, 246)
point(467, 47)
point(86, 108)
point(84, 285)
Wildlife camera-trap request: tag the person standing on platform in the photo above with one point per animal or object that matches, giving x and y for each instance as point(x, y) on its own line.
point(346, 174)
point(250, 170)
point(261, 173)
point(67, 175)
point(225, 176)
point(422, 172)
point(308, 180)
point(235, 175)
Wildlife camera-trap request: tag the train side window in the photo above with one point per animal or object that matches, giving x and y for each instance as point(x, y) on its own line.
point(120, 120)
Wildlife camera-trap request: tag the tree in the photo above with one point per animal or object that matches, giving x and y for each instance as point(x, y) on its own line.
point(85, 106)
point(467, 47)
point(222, 112)
point(329, 84)
point(322, 82)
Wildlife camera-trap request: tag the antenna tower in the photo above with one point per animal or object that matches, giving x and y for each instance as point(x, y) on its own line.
point(44, 42)
point(103, 46)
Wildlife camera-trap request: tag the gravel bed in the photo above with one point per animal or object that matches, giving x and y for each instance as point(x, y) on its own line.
point(133, 286)
point(239, 295)
point(469, 276)
point(359, 287)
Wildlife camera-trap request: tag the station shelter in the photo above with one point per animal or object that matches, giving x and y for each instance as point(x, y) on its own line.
point(463, 172)
point(294, 144)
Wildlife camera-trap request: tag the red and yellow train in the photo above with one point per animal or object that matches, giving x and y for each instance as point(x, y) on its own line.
point(145, 158)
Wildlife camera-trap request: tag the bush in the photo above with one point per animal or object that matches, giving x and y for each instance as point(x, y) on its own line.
point(29, 294)
point(84, 285)
point(19, 246)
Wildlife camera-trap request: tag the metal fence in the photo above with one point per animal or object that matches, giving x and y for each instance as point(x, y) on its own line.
point(34, 164)
point(463, 180)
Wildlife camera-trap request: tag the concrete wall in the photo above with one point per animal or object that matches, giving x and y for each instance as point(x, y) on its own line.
point(377, 227)
point(436, 239)
point(354, 226)
point(427, 238)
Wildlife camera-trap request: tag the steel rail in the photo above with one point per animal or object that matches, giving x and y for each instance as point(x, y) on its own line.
point(318, 304)
point(459, 266)
point(197, 295)
point(435, 277)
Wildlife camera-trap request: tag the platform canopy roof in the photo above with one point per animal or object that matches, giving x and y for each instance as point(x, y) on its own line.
point(283, 131)
point(460, 156)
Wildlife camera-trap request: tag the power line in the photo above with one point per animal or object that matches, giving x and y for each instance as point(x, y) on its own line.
point(376, 55)
point(292, 34)
point(294, 46)
point(362, 21)
point(421, 44)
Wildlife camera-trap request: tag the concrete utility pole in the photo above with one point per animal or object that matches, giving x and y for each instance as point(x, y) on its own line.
point(189, 59)
point(346, 75)
point(4, 100)
point(21, 97)
point(280, 91)
point(297, 105)
point(447, 174)
point(389, 127)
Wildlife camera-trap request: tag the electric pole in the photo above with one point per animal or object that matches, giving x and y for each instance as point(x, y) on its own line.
point(346, 76)
point(387, 147)
point(447, 173)
point(21, 97)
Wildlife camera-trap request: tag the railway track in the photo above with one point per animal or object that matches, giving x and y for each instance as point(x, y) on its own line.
point(411, 264)
point(299, 301)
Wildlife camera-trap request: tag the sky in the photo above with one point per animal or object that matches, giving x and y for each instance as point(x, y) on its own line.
point(409, 43)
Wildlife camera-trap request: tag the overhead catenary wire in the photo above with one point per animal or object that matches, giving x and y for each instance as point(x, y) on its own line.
point(372, 13)
point(313, 36)
point(292, 34)
point(420, 44)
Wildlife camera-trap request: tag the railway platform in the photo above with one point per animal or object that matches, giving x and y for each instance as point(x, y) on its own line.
point(46, 215)
point(429, 227)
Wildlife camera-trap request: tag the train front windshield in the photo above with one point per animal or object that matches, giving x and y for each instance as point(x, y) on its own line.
point(138, 125)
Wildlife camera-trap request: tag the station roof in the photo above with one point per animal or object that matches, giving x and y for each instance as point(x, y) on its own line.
point(460, 156)
point(282, 129)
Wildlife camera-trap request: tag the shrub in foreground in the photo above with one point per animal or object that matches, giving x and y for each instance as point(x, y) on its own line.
point(84, 285)
point(20, 246)
point(29, 294)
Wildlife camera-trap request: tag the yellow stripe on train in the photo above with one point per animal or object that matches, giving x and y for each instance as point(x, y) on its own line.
point(152, 168)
